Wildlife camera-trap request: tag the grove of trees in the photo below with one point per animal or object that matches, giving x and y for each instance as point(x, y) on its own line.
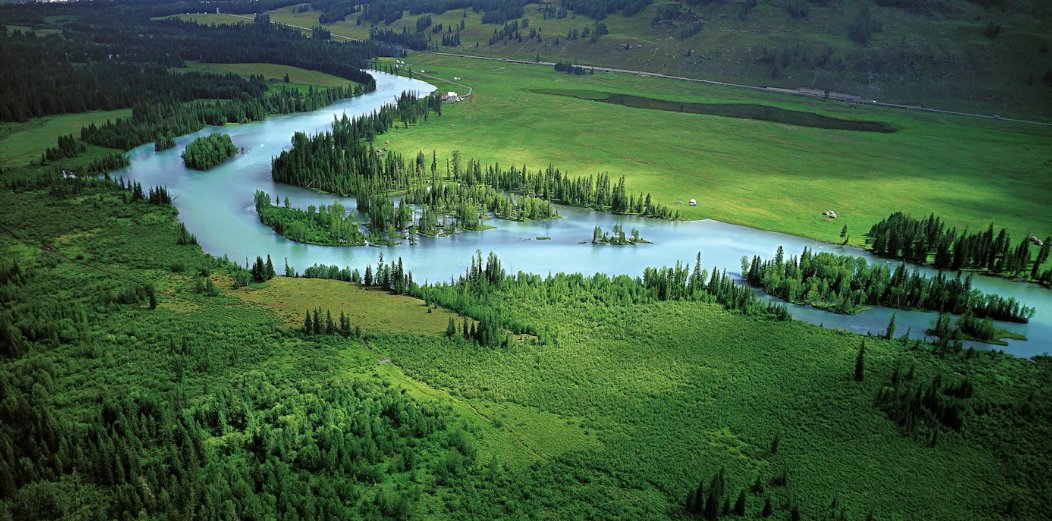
point(208, 151)
point(843, 284)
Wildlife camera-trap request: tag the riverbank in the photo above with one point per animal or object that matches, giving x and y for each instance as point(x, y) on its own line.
point(219, 210)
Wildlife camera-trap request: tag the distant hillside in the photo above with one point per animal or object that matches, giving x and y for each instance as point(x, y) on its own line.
point(982, 55)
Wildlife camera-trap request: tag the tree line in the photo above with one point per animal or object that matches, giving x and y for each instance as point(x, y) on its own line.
point(485, 284)
point(160, 119)
point(598, 192)
point(902, 236)
point(599, 9)
point(323, 324)
point(843, 284)
point(570, 68)
point(344, 161)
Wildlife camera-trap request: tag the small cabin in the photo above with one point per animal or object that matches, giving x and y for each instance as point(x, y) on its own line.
point(1035, 241)
point(829, 213)
point(693, 202)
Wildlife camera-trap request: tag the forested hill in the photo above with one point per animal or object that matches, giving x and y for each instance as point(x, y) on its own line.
point(980, 55)
point(66, 59)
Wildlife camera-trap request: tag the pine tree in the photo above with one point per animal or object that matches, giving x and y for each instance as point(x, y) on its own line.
point(860, 362)
point(695, 498)
point(451, 328)
point(774, 446)
point(739, 505)
point(757, 487)
point(259, 271)
point(345, 325)
point(308, 326)
point(768, 508)
point(269, 269)
point(890, 331)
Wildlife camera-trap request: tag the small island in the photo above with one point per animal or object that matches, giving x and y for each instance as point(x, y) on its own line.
point(208, 151)
point(617, 236)
point(325, 225)
point(163, 142)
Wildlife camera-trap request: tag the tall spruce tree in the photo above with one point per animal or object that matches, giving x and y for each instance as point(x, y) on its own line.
point(860, 362)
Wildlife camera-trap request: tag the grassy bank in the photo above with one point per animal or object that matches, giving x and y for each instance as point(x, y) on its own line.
point(23, 142)
point(766, 175)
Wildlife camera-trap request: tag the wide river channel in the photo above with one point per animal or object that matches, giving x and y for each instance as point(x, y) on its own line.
point(217, 207)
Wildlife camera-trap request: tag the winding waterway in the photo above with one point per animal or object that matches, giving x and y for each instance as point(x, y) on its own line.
point(217, 206)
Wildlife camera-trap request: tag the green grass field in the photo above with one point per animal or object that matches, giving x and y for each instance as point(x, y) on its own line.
point(934, 58)
point(766, 175)
point(214, 18)
point(297, 77)
point(372, 310)
point(21, 143)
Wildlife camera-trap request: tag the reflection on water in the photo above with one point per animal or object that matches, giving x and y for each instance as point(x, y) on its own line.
point(217, 206)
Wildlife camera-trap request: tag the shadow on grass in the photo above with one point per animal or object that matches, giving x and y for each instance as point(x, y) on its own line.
point(728, 110)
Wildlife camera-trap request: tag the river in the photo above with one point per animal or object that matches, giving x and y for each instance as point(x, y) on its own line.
point(217, 206)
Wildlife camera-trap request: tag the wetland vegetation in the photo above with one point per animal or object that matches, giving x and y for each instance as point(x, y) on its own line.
point(142, 377)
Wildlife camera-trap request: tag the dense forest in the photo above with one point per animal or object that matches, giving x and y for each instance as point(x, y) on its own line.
point(921, 241)
point(844, 284)
point(144, 449)
point(344, 161)
point(54, 74)
point(208, 151)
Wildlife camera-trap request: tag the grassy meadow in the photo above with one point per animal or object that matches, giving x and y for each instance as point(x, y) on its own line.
point(23, 142)
point(766, 175)
point(939, 57)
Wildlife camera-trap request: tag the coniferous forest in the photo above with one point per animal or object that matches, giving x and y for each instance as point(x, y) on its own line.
point(844, 284)
point(208, 151)
point(930, 240)
point(143, 377)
